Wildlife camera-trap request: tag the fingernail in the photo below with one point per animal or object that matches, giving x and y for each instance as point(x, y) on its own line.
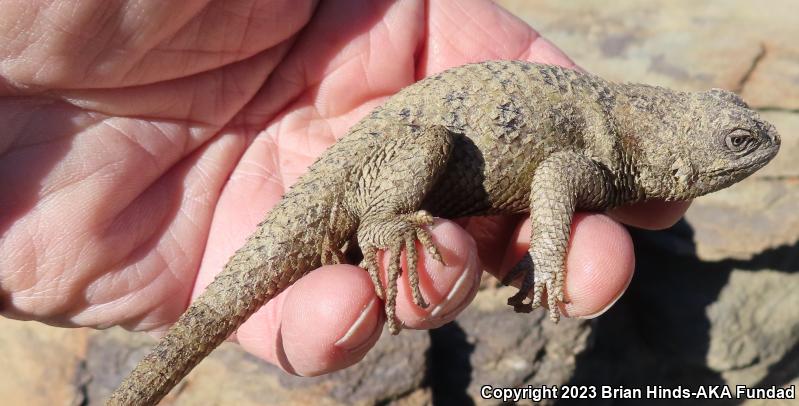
point(463, 284)
point(597, 314)
point(357, 337)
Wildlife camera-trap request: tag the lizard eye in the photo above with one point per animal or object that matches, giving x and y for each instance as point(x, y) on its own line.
point(740, 141)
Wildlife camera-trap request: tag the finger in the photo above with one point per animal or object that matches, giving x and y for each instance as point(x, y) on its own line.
point(651, 215)
point(326, 321)
point(492, 234)
point(449, 288)
point(600, 263)
point(466, 31)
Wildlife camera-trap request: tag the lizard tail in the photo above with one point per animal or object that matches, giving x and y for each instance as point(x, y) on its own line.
point(281, 251)
point(203, 327)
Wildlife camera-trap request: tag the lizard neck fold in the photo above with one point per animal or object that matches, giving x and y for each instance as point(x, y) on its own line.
point(648, 129)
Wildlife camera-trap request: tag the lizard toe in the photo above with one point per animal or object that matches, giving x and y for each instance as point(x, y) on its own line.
point(413, 273)
point(525, 268)
point(370, 264)
point(554, 295)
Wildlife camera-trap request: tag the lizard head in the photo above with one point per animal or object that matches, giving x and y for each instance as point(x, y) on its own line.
point(710, 142)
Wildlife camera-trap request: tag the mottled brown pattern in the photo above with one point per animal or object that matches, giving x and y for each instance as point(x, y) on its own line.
point(495, 137)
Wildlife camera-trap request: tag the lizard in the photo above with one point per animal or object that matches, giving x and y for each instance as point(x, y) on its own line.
point(496, 137)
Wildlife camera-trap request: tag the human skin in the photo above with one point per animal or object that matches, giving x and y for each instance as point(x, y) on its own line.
point(143, 142)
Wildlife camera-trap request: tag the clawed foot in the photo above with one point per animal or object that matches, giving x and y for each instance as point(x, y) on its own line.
point(539, 281)
point(393, 234)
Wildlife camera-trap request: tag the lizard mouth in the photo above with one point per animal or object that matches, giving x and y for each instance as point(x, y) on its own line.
point(722, 177)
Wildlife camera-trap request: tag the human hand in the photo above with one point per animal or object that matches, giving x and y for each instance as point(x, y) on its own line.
point(142, 144)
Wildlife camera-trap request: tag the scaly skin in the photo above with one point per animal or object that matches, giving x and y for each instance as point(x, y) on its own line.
point(498, 137)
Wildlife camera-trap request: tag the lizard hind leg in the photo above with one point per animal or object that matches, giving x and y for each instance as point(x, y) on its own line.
point(394, 183)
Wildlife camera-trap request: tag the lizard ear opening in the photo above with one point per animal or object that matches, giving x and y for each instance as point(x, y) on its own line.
point(728, 96)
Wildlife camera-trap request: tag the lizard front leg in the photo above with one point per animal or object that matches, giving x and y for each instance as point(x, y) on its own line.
point(392, 187)
point(562, 183)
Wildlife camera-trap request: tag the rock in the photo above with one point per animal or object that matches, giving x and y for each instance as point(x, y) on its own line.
point(392, 371)
point(41, 365)
point(736, 45)
point(754, 325)
point(489, 344)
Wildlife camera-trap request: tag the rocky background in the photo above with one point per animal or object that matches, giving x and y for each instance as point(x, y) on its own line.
point(715, 299)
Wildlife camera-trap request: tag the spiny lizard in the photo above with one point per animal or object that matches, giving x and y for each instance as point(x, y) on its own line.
point(498, 137)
